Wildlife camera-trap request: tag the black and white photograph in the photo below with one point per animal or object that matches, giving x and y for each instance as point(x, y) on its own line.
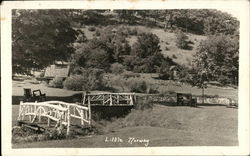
point(117, 78)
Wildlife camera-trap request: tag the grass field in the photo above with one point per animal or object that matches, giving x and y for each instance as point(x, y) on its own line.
point(175, 126)
point(17, 88)
point(163, 125)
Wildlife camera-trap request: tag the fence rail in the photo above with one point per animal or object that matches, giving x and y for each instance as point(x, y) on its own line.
point(60, 112)
point(109, 99)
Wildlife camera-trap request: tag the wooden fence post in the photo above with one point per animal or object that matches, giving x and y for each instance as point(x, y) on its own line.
point(83, 98)
point(68, 119)
point(49, 118)
point(103, 99)
point(89, 108)
point(20, 111)
point(29, 111)
point(82, 116)
point(118, 99)
point(110, 99)
point(39, 114)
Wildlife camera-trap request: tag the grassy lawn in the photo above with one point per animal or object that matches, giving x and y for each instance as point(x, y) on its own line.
point(17, 88)
point(176, 126)
point(162, 126)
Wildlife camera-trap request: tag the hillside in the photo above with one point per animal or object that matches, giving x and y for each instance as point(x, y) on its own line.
point(138, 41)
point(167, 42)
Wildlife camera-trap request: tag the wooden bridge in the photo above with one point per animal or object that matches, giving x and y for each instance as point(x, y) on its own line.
point(60, 112)
point(109, 99)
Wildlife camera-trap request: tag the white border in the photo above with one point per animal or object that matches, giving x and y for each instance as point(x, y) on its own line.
point(239, 8)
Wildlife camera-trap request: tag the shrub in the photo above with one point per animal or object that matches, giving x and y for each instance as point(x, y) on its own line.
point(181, 41)
point(91, 79)
point(42, 74)
point(133, 31)
point(57, 82)
point(143, 103)
point(97, 32)
point(129, 84)
point(174, 56)
point(117, 68)
point(92, 28)
point(137, 85)
point(164, 71)
point(224, 80)
point(152, 89)
point(55, 135)
point(74, 82)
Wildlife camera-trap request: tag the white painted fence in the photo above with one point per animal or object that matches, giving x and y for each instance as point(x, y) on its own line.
point(109, 99)
point(60, 112)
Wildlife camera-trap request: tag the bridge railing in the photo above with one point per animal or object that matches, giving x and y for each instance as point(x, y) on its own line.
point(58, 111)
point(109, 99)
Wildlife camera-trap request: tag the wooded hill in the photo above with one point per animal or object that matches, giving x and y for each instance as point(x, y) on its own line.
point(144, 41)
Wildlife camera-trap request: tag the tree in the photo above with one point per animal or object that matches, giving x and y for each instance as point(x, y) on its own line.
point(90, 55)
point(146, 52)
point(126, 16)
point(146, 45)
point(81, 38)
point(181, 40)
point(39, 37)
point(117, 68)
point(217, 57)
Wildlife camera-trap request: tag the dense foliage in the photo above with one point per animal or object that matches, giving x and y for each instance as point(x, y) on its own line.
point(85, 79)
point(39, 37)
point(217, 58)
point(199, 21)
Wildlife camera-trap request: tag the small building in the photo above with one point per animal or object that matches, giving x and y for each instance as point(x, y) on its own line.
point(58, 69)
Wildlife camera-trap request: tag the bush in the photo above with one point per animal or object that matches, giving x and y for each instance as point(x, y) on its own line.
point(97, 32)
point(181, 41)
point(143, 103)
point(133, 31)
point(224, 80)
point(164, 71)
point(91, 79)
point(42, 74)
point(174, 56)
point(57, 82)
point(74, 82)
point(55, 135)
point(117, 68)
point(92, 28)
point(137, 85)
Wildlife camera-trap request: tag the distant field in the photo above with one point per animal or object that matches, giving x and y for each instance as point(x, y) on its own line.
point(184, 126)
